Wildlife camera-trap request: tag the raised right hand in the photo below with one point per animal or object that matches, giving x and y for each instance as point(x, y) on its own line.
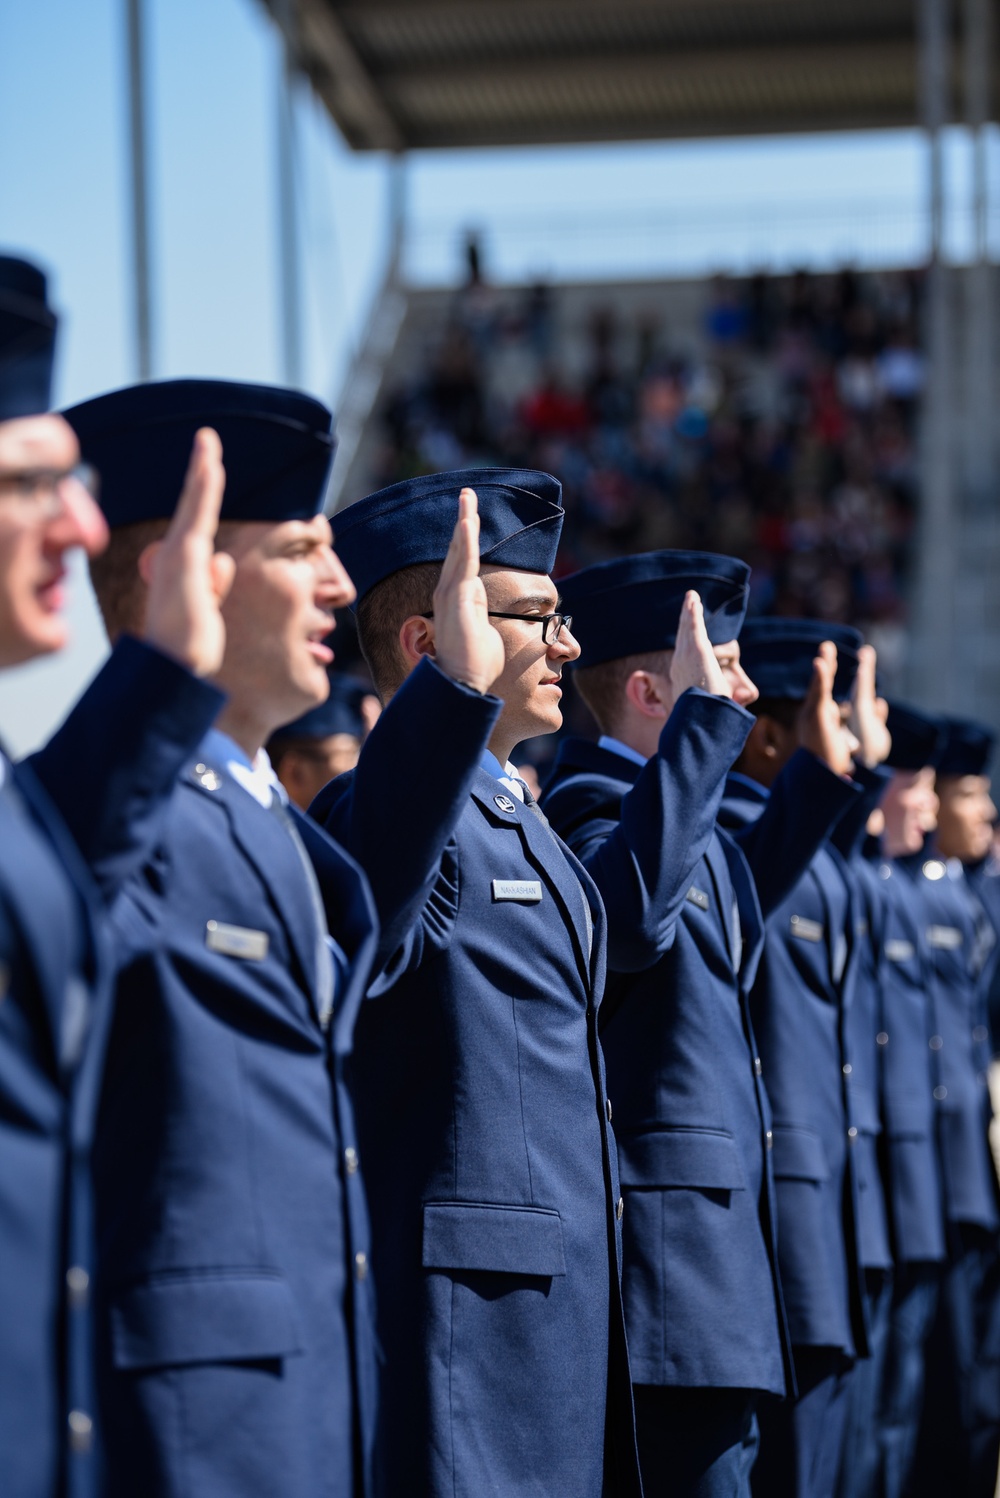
point(694, 663)
point(188, 578)
point(820, 723)
point(466, 646)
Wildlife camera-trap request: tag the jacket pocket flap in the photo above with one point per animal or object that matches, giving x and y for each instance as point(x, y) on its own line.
point(203, 1318)
point(798, 1156)
point(681, 1157)
point(480, 1235)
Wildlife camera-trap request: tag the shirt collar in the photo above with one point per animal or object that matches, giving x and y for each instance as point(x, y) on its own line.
point(255, 776)
point(506, 774)
point(615, 746)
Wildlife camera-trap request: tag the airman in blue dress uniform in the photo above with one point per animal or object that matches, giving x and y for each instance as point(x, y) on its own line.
point(482, 1108)
point(703, 1305)
point(959, 1438)
point(237, 1351)
point(908, 1075)
point(799, 1004)
point(324, 743)
point(74, 820)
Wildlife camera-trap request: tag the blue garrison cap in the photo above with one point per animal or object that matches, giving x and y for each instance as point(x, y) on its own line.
point(633, 604)
point(277, 448)
point(777, 655)
point(520, 520)
point(967, 747)
point(340, 713)
point(27, 340)
point(917, 738)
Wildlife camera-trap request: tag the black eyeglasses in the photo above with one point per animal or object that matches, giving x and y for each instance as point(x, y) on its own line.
point(552, 624)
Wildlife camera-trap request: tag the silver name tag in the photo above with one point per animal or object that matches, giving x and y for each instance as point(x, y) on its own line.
point(236, 941)
point(899, 951)
point(948, 937)
point(806, 929)
point(528, 891)
point(697, 897)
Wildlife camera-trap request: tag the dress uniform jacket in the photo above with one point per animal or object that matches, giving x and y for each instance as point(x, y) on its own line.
point(88, 802)
point(959, 947)
point(702, 1299)
point(488, 1153)
point(799, 1005)
point(909, 1074)
point(238, 1352)
point(865, 1023)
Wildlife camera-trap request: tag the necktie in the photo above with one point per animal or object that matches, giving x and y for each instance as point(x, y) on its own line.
point(324, 956)
point(531, 803)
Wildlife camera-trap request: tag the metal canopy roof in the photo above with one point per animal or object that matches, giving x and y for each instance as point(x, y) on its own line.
point(405, 74)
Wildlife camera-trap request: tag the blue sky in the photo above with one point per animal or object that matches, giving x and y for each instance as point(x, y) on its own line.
point(214, 68)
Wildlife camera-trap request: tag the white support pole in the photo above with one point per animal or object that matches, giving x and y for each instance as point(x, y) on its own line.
point(289, 269)
point(398, 185)
point(142, 319)
point(931, 664)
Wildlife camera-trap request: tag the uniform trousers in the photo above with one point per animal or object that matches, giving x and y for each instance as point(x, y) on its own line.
point(859, 1461)
point(959, 1442)
point(801, 1439)
point(911, 1315)
point(695, 1443)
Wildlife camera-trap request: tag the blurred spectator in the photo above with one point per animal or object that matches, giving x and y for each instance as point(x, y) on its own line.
point(786, 437)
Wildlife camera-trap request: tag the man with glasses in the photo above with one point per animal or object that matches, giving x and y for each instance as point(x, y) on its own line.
point(89, 803)
point(482, 1111)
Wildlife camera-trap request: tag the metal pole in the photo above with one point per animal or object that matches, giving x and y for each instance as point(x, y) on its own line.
point(397, 215)
point(933, 652)
point(291, 297)
point(142, 305)
point(978, 531)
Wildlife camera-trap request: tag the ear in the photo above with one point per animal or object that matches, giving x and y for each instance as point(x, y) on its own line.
point(772, 738)
point(649, 694)
point(416, 639)
point(144, 566)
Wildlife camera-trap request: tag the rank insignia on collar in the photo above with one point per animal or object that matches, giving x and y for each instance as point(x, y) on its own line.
point(504, 803)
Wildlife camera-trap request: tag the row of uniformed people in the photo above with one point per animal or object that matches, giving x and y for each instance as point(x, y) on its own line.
point(197, 1124)
point(247, 1090)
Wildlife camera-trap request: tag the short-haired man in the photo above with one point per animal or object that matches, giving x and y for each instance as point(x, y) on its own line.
point(800, 1002)
point(238, 1352)
point(703, 1306)
point(482, 1107)
point(89, 803)
point(959, 1441)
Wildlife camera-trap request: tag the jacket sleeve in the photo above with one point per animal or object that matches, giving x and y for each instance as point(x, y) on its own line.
point(806, 800)
point(849, 832)
point(111, 768)
point(642, 860)
point(398, 810)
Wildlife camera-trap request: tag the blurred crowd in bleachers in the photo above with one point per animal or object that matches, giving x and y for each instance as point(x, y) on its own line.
point(784, 433)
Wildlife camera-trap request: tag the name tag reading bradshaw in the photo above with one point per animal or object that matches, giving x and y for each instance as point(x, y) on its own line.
point(806, 929)
point(236, 941)
point(524, 891)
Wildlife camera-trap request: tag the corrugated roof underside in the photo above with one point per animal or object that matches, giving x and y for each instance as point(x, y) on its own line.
point(408, 75)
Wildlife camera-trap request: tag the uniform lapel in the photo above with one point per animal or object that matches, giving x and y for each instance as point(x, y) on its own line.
point(544, 850)
point(350, 914)
point(751, 919)
point(267, 847)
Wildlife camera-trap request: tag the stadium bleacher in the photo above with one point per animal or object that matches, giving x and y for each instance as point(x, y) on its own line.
point(771, 417)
